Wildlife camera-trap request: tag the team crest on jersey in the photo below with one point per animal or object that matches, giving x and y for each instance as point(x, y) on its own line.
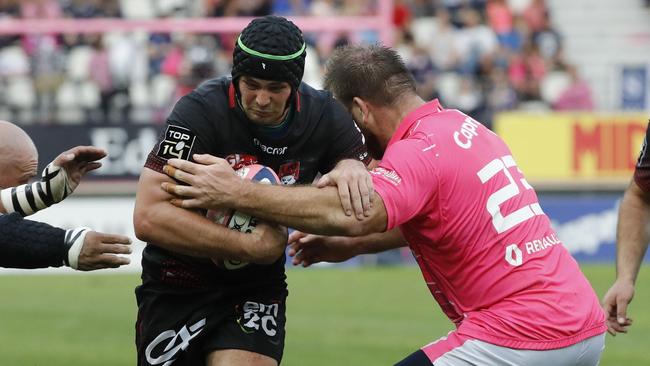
point(177, 143)
point(238, 161)
point(289, 172)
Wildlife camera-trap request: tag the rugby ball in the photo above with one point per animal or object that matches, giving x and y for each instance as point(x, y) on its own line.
point(240, 221)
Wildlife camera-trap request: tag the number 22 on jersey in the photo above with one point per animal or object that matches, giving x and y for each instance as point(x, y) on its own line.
point(500, 222)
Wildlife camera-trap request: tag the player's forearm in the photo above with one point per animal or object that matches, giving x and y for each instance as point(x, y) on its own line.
point(309, 209)
point(2, 208)
point(379, 242)
point(192, 234)
point(30, 244)
point(160, 223)
point(633, 233)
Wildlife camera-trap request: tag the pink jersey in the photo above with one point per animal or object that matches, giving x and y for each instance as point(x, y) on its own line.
point(485, 247)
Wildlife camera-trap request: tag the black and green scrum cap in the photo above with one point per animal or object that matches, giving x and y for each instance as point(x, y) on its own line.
point(270, 48)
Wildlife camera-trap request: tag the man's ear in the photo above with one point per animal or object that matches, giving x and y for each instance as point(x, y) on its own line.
point(362, 107)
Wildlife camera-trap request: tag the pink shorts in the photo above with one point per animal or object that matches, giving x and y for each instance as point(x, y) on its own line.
point(458, 350)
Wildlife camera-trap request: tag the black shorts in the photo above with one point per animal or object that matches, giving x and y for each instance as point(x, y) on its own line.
point(186, 324)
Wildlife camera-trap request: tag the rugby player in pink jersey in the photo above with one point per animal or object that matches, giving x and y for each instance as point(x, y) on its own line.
point(454, 193)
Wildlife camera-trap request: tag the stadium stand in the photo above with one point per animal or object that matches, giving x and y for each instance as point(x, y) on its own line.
point(485, 57)
point(602, 38)
point(480, 56)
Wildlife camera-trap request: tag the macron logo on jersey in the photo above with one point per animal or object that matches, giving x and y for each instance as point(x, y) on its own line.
point(269, 149)
point(467, 131)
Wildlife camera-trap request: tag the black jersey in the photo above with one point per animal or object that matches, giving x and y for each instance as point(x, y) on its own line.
point(642, 170)
point(318, 133)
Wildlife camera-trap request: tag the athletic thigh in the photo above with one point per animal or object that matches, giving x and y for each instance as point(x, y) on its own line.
point(172, 324)
point(458, 350)
point(254, 329)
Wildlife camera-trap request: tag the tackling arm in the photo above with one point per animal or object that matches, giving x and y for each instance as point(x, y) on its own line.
point(58, 180)
point(188, 232)
point(632, 236)
point(213, 184)
point(633, 233)
point(309, 209)
point(32, 244)
point(309, 249)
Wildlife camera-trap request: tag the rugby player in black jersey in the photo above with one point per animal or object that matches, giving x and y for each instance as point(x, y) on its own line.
point(191, 310)
point(31, 244)
point(632, 237)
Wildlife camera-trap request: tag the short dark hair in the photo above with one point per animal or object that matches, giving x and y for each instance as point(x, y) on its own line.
point(375, 73)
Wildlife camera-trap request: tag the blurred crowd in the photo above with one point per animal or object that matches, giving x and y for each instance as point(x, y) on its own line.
point(481, 56)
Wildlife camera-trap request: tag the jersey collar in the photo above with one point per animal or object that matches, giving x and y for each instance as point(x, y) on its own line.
point(407, 125)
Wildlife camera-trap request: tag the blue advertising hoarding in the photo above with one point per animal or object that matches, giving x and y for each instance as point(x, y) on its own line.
point(586, 223)
point(634, 87)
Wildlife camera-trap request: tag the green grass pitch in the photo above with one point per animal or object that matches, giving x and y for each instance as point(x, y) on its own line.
point(357, 316)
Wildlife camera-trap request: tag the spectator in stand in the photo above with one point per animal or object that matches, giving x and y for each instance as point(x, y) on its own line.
point(323, 8)
point(420, 65)
point(453, 7)
point(422, 8)
point(535, 15)
point(290, 7)
point(526, 71)
point(83, 9)
point(470, 96)
point(110, 8)
point(38, 9)
point(547, 40)
point(577, 96)
point(444, 51)
point(48, 70)
point(499, 17)
point(46, 58)
point(500, 94)
point(401, 14)
point(159, 46)
point(357, 7)
point(201, 59)
point(476, 42)
point(229, 8)
point(9, 9)
point(101, 76)
point(514, 40)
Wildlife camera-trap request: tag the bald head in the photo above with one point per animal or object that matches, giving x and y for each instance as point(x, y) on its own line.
point(18, 156)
